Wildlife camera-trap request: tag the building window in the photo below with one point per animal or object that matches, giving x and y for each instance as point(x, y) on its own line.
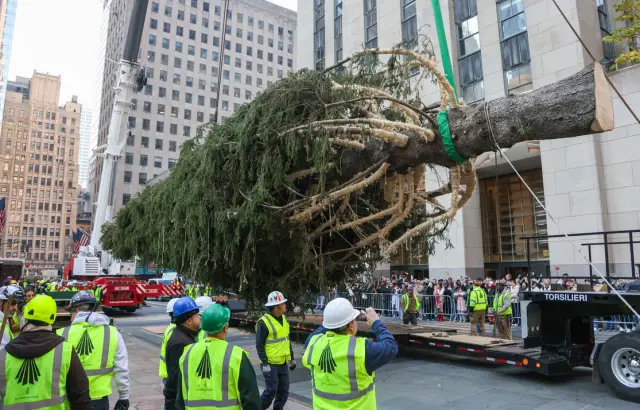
point(158, 143)
point(128, 158)
point(409, 23)
point(152, 39)
point(337, 34)
point(144, 160)
point(166, 27)
point(153, 23)
point(516, 59)
point(144, 142)
point(172, 146)
point(605, 30)
point(127, 177)
point(318, 36)
point(126, 198)
point(142, 178)
point(470, 60)
point(186, 131)
point(370, 24)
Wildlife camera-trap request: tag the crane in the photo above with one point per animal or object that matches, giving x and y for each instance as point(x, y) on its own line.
point(91, 260)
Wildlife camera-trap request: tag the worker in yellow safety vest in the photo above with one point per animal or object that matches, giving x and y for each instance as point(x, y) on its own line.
point(502, 311)
point(342, 365)
point(274, 350)
point(101, 350)
point(162, 369)
point(96, 291)
point(10, 297)
point(215, 374)
point(410, 307)
point(55, 379)
point(477, 307)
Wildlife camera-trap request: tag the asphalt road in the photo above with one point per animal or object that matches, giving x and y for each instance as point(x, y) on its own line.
point(432, 381)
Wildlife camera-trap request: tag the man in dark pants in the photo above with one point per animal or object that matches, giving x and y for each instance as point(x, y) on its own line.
point(274, 350)
point(186, 316)
point(410, 307)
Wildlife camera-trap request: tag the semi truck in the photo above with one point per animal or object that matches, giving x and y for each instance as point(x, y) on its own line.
point(557, 336)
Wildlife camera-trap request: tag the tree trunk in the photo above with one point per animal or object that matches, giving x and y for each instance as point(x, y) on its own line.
point(578, 105)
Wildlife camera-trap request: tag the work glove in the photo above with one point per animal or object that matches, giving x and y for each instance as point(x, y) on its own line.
point(122, 404)
point(292, 364)
point(266, 369)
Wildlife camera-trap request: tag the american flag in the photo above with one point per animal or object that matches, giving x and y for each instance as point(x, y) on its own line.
point(80, 238)
point(3, 214)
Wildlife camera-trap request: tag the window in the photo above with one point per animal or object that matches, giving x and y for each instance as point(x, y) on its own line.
point(260, 39)
point(162, 92)
point(192, 35)
point(318, 36)
point(181, 15)
point(216, 10)
point(290, 61)
point(165, 43)
point(605, 30)
point(203, 53)
point(126, 198)
point(173, 129)
point(158, 143)
point(270, 57)
point(225, 90)
point(216, 41)
point(470, 60)
point(131, 140)
point(152, 39)
point(227, 45)
point(194, 3)
point(172, 146)
point(166, 28)
point(260, 54)
point(225, 105)
point(213, 103)
point(227, 60)
point(205, 6)
point(148, 89)
point(260, 68)
point(155, 7)
point(240, 17)
point(202, 85)
point(174, 112)
point(238, 48)
point(175, 95)
point(171, 162)
point(153, 23)
point(164, 59)
point(248, 80)
point(159, 126)
point(409, 23)
point(161, 109)
point(370, 24)
point(280, 60)
point(177, 62)
point(261, 23)
point(167, 11)
point(216, 26)
point(205, 22)
point(179, 31)
point(516, 58)
point(144, 160)
point(249, 36)
point(250, 21)
point(215, 56)
point(280, 45)
point(193, 19)
point(186, 131)
point(128, 158)
point(146, 107)
point(200, 116)
point(142, 178)
point(270, 42)
point(204, 38)
point(189, 81)
point(225, 74)
point(249, 66)
point(280, 31)
point(163, 75)
point(238, 62)
point(144, 142)
point(176, 78)
point(228, 29)
point(188, 98)
point(247, 94)
point(270, 28)
point(127, 177)
point(237, 77)
point(250, 51)
point(191, 50)
point(236, 92)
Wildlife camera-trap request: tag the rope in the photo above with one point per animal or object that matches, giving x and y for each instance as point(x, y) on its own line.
point(614, 290)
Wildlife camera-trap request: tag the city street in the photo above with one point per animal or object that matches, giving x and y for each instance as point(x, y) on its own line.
point(433, 382)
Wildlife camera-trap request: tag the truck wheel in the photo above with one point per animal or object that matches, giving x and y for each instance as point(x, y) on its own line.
point(619, 363)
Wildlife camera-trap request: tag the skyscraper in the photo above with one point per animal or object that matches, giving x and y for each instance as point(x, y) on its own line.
point(7, 23)
point(182, 52)
point(85, 150)
point(40, 143)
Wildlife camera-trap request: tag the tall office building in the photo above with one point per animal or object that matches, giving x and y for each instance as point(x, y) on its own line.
point(85, 150)
point(7, 22)
point(39, 158)
point(187, 62)
point(499, 48)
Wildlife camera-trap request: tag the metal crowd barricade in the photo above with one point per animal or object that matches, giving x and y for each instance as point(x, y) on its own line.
point(616, 323)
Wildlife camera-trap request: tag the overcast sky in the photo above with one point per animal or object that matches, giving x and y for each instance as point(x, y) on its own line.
point(62, 37)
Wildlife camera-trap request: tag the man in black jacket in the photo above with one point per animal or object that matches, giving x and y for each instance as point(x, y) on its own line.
point(38, 339)
point(186, 315)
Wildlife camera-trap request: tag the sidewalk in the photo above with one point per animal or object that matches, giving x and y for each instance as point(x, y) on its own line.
point(146, 386)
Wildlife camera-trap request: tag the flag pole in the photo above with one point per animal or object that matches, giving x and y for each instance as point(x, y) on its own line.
point(444, 48)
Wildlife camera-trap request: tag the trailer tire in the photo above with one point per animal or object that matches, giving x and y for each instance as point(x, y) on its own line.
point(619, 364)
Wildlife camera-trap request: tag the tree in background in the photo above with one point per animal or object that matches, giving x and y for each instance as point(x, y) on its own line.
point(628, 12)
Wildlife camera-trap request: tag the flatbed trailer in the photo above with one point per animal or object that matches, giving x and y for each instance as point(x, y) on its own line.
point(557, 336)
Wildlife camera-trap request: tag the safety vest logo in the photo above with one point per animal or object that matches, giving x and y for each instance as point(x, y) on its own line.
point(85, 345)
point(204, 368)
point(327, 363)
point(28, 372)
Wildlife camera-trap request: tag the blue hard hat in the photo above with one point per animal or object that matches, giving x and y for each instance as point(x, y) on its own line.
point(185, 305)
point(82, 298)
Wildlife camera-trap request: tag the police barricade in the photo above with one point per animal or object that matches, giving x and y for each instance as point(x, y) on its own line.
point(617, 323)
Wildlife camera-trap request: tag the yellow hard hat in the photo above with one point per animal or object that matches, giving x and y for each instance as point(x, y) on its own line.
point(13, 282)
point(41, 308)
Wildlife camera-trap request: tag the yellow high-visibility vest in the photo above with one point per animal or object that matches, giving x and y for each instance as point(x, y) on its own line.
point(36, 383)
point(210, 371)
point(339, 377)
point(162, 367)
point(478, 299)
point(405, 299)
point(498, 301)
point(96, 348)
point(278, 346)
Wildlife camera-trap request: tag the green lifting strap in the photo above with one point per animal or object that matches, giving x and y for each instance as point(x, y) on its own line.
point(445, 131)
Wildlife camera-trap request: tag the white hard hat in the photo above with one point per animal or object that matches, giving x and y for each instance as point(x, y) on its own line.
point(204, 302)
point(275, 298)
point(338, 313)
point(170, 305)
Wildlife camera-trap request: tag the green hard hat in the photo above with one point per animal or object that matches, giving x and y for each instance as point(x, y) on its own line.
point(214, 318)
